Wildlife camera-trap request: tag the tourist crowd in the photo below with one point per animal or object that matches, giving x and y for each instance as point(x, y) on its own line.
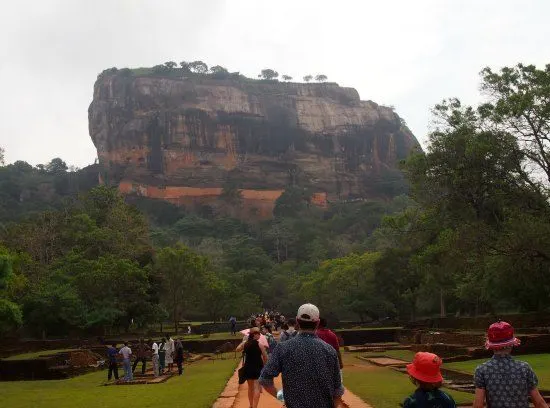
point(308, 358)
point(162, 354)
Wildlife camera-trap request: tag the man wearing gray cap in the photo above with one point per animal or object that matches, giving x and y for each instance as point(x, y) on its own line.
point(309, 367)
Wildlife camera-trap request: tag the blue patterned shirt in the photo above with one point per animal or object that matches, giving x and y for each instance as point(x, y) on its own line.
point(507, 382)
point(310, 371)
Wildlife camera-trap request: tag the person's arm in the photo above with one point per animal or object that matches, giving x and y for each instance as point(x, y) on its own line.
point(537, 399)
point(340, 362)
point(271, 370)
point(337, 379)
point(240, 347)
point(479, 398)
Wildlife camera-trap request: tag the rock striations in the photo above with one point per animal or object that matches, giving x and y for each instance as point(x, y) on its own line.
point(186, 139)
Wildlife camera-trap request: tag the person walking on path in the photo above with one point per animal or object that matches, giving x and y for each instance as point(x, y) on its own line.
point(112, 354)
point(170, 349)
point(233, 322)
point(503, 381)
point(289, 331)
point(162, 356)
point(178, 356)
point(141, 355)
point(255, 356)
point(155, 357)
point(126, 353)
point(309, 367)
point(329, 337)
point(425, 373)
point(266, 331)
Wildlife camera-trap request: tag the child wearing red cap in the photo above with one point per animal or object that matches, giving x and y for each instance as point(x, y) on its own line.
point(503, 381)
point(425, 373)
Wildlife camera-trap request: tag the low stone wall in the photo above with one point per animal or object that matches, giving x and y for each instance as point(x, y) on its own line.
point(358, 337)
point(519, 321)
point(54, 367)
point(10, 347)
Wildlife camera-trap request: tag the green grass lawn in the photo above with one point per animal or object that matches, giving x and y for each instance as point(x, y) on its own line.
point(540, 363)
point(383, 387)
point(199, 387)
point(406, 355)
point(29, 356)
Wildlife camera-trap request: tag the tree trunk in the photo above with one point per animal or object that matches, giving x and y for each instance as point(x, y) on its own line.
point(442, 310)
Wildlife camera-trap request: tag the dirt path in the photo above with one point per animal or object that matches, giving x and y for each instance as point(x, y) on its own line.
point(236, 396)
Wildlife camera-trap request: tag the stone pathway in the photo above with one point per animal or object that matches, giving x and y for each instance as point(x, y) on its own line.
point(386, 361)
point(236, 396)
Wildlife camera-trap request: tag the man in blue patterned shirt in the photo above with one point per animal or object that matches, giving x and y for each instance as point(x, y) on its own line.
point(309, 367)
point(503, 381)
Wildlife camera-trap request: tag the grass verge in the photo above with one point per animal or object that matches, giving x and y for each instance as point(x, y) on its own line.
point(540, 363)
point(199, 387)
point(383, 387)
point(406, 355)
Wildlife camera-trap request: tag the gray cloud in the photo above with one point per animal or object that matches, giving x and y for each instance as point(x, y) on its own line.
point(401, 53)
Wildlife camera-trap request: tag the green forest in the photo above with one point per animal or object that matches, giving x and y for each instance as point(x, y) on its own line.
point(471, 237)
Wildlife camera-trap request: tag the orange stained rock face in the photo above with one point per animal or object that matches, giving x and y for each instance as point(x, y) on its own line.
point(319, 199)
point(255, 203)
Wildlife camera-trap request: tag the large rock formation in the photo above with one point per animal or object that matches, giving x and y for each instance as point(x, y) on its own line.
point(185, 139)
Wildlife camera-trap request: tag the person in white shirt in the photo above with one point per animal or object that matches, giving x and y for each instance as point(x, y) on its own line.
point(126, 355)
point(169, 357)
point(155, 357)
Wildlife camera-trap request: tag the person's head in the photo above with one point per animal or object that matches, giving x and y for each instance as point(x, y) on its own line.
point(263, 330)
point(308, 317)
point(253, 323)
point(284, 326)
point(253, 334)
point(425, 371)
point(126, 343)
point(291, 322)
point(322, 323)
point(500, 338)
point(168, 336)
point(114, 345)
point(163, 340)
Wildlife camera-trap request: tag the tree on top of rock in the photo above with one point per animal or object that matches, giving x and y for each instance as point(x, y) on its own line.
point(185, 66)
point(321, 78)
point(268, 74)
point(287, 78)
point(216, 69)
point(308, 78)
point(198, 67)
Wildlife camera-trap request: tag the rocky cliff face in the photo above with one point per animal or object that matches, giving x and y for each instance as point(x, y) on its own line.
point(184, 139)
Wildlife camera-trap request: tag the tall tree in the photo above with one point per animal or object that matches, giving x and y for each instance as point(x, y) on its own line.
point(198, 67)
point(269, 74)
point(321, 78)
point(519, 104)
point(181, 272)
point(2, 152)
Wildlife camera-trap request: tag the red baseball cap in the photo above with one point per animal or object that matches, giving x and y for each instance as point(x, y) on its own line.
point(425, 368)
point(501, 335)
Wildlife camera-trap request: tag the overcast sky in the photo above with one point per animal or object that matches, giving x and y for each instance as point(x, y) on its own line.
point(410, 54)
